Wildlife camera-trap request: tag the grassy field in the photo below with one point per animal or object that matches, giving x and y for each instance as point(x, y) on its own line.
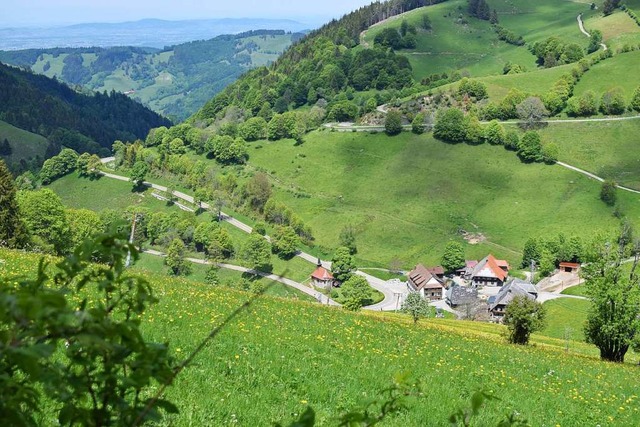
point(579, 290)
point(25, 145)
point(474, 46)
point(155, 265)
point(450, 45)
point(617, 29)
point(613, 72)
point(101, 194)
point(566, 317)
point(608, 149)
point(278, 357)
point(408, 196)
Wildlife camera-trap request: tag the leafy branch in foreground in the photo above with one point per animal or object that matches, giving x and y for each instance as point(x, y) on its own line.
point(75, 337)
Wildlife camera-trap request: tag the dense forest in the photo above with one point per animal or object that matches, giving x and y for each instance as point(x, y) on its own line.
point(175, 81)
point(321, 66)
point(67, 118)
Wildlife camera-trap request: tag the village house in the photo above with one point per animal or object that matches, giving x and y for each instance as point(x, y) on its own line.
point(322, 278)
point(427, 282)
point(516, 287)
point(489, 272)
point(458, 295)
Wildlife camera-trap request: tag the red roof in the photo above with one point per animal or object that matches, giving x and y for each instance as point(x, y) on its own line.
point(323, 274)
point(437, 270)
point(494, 265)
point(471, 264)
point(570, 264)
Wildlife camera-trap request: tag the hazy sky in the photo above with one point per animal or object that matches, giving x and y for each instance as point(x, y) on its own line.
point(42, 12)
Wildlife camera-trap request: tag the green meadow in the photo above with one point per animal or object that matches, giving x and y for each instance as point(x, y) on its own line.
point(280, 356)
point(473, 45)
point(407, 196)
point(24, 145)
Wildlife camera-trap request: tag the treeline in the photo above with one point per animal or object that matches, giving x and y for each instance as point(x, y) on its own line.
point(322, 63)
point(171, 158)
point(548, 253)
point(85, 123)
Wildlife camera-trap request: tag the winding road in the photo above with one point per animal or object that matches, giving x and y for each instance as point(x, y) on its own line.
point(390, 292)
point(581, 25)
point(293, 284)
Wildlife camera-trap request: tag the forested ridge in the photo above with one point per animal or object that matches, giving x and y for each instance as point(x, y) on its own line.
point(85, 123)
point(322, 65)
point(175, 81)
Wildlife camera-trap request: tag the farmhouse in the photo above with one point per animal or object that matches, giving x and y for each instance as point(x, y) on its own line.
point(426, 282)
point(516, 287)
point(489, 272)
point(322, 278)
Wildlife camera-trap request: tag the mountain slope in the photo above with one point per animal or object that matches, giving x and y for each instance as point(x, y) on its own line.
point(46, 107)
point(175, 81)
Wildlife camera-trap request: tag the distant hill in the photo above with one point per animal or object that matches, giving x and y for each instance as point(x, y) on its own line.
point(148, 33)
point(175, 81)
point(86, 123)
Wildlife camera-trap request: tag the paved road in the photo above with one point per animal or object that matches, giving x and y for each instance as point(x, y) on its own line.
point(293, 284)
point(387, 304)
point(596, 177)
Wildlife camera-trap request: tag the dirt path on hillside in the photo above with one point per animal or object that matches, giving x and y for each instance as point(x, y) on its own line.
point(581, 25)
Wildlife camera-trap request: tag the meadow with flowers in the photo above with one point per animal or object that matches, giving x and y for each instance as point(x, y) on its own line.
point(280, 356)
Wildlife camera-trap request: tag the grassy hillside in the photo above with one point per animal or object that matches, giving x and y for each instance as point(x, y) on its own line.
point(472, 44)
point(279, 357)
point(118, 195)
point(85, 123)
point(612, 73)
point(176, 81)
point(409, 195)
point(608, 149)
point(24, 145)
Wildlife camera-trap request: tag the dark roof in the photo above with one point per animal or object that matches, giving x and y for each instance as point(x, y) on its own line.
point(514, 288)
point(458, 295)
point(420, 277)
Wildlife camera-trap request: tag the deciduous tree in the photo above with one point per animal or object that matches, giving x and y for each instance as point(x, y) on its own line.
point(256, 253)
point(393, 123)
point(342, 264)
point(416, 306)
point(613, 321)
point(523, 317)
point(46, 220)
point(355, 292)
point(452, 257)
point(175, 259)
point(285, 242)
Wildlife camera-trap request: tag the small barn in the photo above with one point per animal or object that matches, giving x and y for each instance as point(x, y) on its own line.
point(569, 267)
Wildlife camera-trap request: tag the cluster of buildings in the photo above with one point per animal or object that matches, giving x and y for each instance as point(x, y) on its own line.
point(463, 290)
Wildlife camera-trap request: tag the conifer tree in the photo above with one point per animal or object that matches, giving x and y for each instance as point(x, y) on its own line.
point(13, 233)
